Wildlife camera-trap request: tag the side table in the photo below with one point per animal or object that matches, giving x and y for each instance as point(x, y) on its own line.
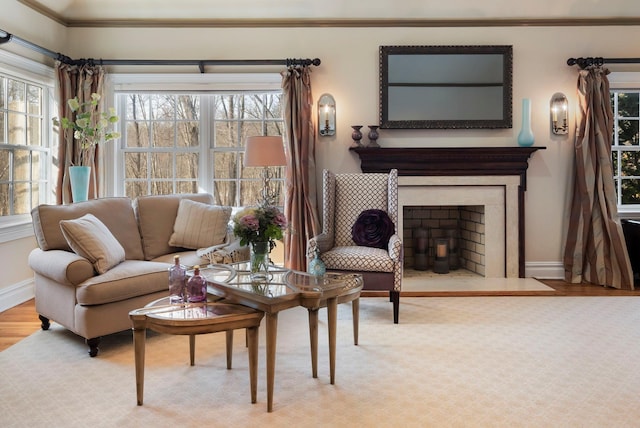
point(192, 319)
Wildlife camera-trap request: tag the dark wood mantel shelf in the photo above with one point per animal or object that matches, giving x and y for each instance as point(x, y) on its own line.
point(456, 161)
point(453, 161)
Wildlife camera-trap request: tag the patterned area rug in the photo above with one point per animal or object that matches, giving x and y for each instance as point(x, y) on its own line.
point(451, 362)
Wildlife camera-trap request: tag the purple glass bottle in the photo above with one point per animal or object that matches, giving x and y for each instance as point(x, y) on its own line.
point(197, 286)
point(177, 281)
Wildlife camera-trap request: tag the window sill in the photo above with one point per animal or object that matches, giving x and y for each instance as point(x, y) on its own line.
point(14, 229)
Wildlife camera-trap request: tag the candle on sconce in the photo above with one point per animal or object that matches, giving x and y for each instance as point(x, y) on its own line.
point(554, 113)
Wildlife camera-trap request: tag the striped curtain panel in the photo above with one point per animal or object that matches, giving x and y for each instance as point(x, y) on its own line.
point(300, 181)
point(75, 81)
point(595, 250)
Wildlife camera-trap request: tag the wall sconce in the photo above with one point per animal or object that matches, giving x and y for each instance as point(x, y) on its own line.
point(559, 114)
point(326, 115)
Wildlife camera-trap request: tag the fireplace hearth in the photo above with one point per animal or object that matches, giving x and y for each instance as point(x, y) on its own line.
point(491, 177)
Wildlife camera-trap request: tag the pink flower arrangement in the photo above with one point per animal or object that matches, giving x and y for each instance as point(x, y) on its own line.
point(261, 224)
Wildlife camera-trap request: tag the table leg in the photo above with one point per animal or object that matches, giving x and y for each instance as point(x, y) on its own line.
point(192, 349)
point(355, 313)
point(272, 330)
point(252, 343)
point(139, 337)
point(229, 338)
point(313, 339)
point(332, 315)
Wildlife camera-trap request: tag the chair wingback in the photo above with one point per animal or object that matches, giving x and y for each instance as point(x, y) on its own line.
point(345, 196)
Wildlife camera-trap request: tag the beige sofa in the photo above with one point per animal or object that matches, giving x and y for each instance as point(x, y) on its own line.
point(70, 291)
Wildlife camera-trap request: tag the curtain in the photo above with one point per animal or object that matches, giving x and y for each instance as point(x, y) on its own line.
point(595, 249)
point(300, 181)
point(72, 81)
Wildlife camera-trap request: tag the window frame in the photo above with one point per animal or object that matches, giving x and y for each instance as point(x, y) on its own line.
point(19, 226)
point(620, 81)
point(181, 83)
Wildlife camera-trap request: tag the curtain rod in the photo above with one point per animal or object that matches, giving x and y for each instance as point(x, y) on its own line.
point(289, 62)
point(585, 62)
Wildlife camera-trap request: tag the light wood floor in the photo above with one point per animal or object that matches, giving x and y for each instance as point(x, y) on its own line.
point(22, 320)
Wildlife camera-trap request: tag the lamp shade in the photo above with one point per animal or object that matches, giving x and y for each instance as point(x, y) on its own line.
point(264, 151)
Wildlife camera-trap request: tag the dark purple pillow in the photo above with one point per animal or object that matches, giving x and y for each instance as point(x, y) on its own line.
point(373, 228)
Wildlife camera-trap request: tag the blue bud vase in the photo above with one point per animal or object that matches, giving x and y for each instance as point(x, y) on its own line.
point(525, 137)
point(79, 177)
point(316, 266)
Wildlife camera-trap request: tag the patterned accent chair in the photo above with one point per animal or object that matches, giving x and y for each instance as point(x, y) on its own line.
point(345, 196)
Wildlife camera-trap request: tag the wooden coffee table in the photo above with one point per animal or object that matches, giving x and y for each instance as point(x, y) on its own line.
point(287, 289)
point(192, 319)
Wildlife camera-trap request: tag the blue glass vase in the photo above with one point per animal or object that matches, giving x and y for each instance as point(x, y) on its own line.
point(525, 137)
point(79, 177)
point(317, 266)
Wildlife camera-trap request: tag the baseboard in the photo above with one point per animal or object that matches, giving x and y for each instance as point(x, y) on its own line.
point(544, 270)
point(15, 294)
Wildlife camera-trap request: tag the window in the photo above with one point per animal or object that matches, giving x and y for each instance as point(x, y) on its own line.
point(188, 142)
point(626, 147)
point(25, 153)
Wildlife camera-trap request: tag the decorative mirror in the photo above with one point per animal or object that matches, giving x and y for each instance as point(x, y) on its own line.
point(446, 87)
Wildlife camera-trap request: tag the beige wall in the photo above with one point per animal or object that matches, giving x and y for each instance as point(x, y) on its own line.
point(349, 71)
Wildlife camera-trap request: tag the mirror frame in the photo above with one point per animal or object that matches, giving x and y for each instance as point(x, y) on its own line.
point(453, 123)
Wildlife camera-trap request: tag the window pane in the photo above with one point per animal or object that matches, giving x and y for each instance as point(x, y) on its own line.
point(35, 195)
point(187, 165)
point(17, 129)
point(137, 134)
point(35, 125)
point(3, 136)
point(187, 187)
point(250, 192)
point(133, 189)
point(21, 198)
point(628, 132)
point(16, 95)
point(161, 165)
point(225, 193)
point(161, 187)
point(36, 167)
point(628, 104)
point(188, 107)
point(631, 191)
point(249, 129)
point(138, 107)
point(3, 81)
point(21, 165)
point(5, 199)
point(225, 165)
point(163, 134)
point(135, 165)
point(5, 156)
point(226, 134)
point(34, 100)
point(163, 107)
point(188, 134)
point(227, 107)
point(630, 165)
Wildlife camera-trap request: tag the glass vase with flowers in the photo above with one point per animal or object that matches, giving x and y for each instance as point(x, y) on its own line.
point(259, 227)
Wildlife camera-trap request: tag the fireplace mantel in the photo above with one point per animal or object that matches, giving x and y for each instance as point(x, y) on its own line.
point(456, 161)
point(451, 161)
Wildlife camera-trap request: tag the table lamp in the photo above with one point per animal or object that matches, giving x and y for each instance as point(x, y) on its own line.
point(265, 151)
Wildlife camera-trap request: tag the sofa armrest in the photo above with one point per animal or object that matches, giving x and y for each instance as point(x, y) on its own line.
point(61, 266)
point(228, 252)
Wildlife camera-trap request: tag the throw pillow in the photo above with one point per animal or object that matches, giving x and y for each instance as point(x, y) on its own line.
point(90, 238)
point(199, 225)
point(373, 228)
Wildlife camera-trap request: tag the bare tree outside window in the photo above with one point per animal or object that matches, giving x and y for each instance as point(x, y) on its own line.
point(163, 147)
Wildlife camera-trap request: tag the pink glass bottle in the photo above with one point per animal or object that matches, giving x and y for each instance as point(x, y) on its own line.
point(197, 286)
point(177, 281)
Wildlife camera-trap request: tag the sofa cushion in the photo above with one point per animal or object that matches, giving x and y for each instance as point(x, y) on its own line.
point(199, 225)
point(116, 213)
point(358, 258)
point(125, 281)
point(156, 215)
point(90, 238)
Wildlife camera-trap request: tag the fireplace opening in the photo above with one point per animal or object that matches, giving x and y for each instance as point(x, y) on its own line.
point(444, 239)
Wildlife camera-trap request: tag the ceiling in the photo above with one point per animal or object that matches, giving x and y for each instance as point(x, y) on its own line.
point(212, 12)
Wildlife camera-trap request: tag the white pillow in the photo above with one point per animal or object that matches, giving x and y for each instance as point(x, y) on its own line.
point(199, 225)
point(90, 238)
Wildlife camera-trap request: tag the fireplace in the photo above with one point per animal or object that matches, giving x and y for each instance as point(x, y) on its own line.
point(493, 178)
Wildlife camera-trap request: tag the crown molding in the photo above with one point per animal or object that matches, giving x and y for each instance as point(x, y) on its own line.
point(328, 22)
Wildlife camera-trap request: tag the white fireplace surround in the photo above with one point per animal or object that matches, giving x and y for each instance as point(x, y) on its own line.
point(498, 195)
